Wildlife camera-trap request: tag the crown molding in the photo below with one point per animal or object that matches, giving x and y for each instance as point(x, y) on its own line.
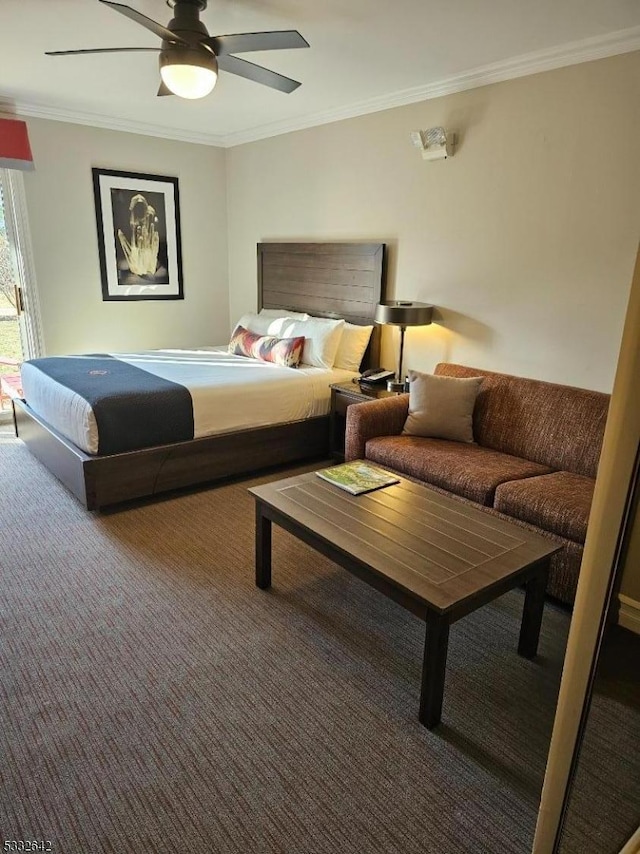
point(59, 114)
point(571, 53)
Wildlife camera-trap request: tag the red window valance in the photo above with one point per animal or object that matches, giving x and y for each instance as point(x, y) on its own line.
point(15, 151)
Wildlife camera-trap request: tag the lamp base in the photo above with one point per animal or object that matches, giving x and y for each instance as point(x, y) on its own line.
point(394, 385)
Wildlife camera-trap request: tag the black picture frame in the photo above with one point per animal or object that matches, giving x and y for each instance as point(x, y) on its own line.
point(139, 244)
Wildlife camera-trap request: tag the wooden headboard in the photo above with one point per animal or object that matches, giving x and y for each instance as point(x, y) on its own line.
point(326, 280)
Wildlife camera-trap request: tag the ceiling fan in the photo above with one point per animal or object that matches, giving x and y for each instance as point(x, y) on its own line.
point(190, 57)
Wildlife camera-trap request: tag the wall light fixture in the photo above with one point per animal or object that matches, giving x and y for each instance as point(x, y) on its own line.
point(435, 143)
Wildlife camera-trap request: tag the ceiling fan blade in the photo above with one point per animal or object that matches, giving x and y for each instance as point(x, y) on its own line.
point(244, 42)
point(141, 19)
point(164, 90)
point(98, 50)
point(257, 73)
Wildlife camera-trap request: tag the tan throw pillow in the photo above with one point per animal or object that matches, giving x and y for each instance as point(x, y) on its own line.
point(441, 407)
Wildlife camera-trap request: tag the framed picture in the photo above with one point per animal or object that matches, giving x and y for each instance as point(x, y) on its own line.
point(138, 218)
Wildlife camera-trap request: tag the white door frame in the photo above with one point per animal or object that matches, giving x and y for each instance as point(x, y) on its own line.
point(608, 514)
point(17, 223)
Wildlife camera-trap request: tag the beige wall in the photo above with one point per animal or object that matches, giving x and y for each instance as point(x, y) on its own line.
point(525, 240)
point(62, 219)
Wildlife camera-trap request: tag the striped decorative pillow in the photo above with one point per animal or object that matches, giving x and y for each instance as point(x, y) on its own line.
point(281, 351)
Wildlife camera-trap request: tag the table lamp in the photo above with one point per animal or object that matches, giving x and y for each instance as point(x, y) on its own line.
point(402, 313)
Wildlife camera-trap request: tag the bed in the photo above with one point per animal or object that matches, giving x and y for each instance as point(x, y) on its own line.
point(328, 280)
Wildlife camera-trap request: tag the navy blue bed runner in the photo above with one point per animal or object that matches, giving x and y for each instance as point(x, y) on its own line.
point(133, 408)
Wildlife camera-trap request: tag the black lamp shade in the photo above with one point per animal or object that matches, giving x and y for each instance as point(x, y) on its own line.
point(404, 313)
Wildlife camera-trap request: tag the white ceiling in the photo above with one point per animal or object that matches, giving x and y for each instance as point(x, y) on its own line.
point(365, 55)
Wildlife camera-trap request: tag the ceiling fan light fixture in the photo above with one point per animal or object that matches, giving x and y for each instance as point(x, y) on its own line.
point(188, 72)
point(189, 55)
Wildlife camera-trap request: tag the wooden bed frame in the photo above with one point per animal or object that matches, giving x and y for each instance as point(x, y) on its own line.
point(323, 279)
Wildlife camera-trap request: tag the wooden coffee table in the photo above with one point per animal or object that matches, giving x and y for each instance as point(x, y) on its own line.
point(437, 557)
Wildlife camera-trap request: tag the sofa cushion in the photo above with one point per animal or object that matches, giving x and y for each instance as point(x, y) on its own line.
point(558, 502)
point(441, 407)
point(465, 469)
point(556, 425)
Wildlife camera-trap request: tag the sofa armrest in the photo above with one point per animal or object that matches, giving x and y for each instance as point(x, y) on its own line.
point(383, 417)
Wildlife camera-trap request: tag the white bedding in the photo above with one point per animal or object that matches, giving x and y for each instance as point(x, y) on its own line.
point(228, 392)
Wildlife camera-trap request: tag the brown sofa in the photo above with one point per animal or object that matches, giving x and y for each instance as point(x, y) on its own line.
point(534, 458)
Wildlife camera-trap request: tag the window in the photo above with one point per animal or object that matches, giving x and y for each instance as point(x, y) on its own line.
point(20, 336)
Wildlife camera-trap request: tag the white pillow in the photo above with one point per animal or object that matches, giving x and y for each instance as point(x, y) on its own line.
point(322, 338)
point(352, 347)
point(283, 312)
point(255, 323)
point(261, 323)
point(265, 324)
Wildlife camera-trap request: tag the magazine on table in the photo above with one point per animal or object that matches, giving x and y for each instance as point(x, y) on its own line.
point(357, 477)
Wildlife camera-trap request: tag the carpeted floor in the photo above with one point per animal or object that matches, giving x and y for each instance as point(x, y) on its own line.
point(155, 700)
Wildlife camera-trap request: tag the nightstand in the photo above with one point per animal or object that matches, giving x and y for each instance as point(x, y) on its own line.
point(342, 396)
